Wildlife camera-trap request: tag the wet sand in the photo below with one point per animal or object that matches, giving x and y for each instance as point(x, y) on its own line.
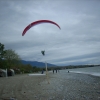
point(63, 86)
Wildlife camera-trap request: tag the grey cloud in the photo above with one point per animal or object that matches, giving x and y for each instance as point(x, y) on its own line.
point(76, 43)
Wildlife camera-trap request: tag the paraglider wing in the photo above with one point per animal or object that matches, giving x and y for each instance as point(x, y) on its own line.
point(38, 22)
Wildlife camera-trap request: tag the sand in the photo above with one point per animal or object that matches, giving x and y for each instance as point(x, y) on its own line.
point(62, 86)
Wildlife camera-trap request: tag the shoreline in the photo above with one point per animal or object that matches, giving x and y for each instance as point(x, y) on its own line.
point(92, 74)
point(63, 86)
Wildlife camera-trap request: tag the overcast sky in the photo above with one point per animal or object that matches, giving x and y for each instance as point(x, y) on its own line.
point(78, 41)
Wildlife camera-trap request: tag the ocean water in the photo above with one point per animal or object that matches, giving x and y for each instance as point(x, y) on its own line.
point(89, 70)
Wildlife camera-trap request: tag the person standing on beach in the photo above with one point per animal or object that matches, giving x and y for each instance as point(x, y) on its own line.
point(42, 72)
point(53, 71)
point(56, 70)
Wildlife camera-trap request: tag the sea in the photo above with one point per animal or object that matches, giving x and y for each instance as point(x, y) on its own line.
point(95, 71)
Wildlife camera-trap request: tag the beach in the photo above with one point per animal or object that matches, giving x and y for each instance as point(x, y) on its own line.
point(61, 86)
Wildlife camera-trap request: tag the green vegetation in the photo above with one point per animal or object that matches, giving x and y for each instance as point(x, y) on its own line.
point(11, 60)
point(2, 51)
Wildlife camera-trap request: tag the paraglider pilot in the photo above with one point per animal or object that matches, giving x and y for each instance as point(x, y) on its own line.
point(43, 52)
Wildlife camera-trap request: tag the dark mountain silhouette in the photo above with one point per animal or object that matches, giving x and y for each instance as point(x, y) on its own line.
point(37, 64)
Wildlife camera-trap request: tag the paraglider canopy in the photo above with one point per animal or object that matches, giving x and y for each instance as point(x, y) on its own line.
point(38, 22)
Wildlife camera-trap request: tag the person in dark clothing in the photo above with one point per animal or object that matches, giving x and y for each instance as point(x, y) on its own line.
point(42, 72)
point(53, 71)
point(56, 70)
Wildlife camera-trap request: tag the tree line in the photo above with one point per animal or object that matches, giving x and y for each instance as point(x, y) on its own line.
point(11, 60)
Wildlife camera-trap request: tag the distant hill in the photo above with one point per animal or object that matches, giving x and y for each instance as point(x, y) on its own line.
point(37, 64)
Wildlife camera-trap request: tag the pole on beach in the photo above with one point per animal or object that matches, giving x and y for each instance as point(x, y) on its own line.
point(47, 72)
point(6, 72)
point(43, 53)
